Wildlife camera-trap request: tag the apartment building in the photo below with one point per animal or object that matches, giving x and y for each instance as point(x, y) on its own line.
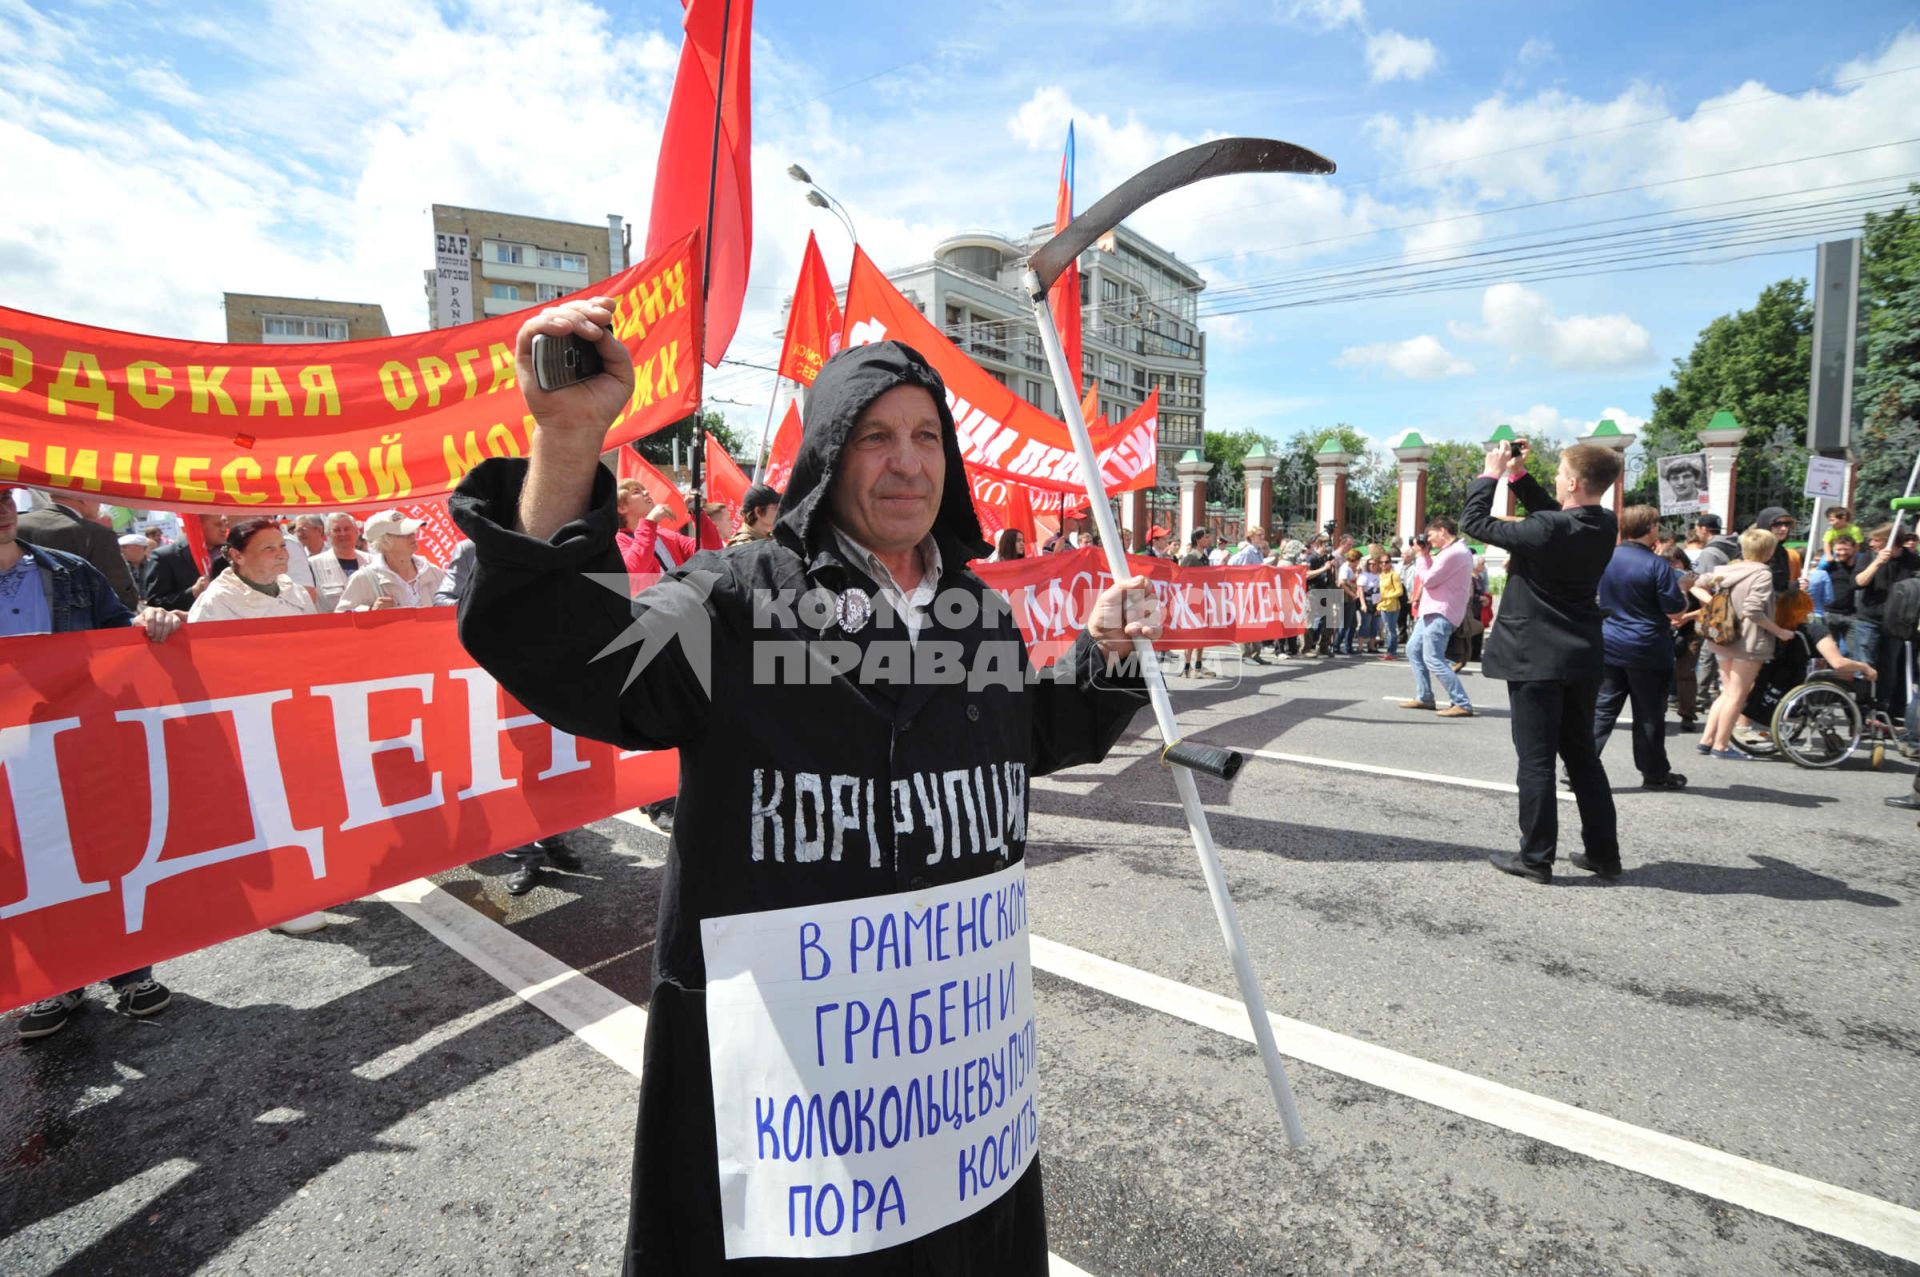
point(512, 262)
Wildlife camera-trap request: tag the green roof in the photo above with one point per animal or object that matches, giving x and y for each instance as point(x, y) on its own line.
point(1504, 434)
point(1723, 420)
point(1331, 445)
point(1413, 440)
point(1607, 428)
point(1191, 454)
point(1258, 450)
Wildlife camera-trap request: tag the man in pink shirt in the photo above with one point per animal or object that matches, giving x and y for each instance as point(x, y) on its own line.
point(1446, 579)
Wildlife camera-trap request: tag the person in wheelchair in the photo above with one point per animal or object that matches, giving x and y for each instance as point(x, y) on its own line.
point(1792, 667)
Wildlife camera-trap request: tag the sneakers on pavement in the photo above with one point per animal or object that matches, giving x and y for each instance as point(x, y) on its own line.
point(1416, 704)
point(50, 1015)
point(1455, 711)
point(149, 997)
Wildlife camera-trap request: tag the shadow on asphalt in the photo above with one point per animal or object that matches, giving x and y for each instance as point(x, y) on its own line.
point(1771, 877)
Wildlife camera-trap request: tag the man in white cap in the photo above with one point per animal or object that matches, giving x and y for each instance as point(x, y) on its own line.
point(134, 549)
point(395, 576)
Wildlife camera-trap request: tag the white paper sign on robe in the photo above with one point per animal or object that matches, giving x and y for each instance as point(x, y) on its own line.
point(872, 1065)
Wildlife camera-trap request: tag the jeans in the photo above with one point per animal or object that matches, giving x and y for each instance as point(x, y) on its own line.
point(1845, 630)
point(121, 983)
point(1552, 718)
point(1648, 691)
point(1390, 622)
point(1427, 654)
point(1349, 618)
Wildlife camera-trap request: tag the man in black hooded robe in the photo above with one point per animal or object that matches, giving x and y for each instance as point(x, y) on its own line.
point(877, 528)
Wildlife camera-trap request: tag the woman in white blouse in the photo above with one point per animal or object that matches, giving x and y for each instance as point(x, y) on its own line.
point(256, 584)
point(254, 587)
point(397, 576)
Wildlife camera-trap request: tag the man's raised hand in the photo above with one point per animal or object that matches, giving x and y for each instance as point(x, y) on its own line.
point(1125, 610)
point(587, 408)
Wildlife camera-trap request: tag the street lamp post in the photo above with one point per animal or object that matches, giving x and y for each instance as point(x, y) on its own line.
point(819, 198)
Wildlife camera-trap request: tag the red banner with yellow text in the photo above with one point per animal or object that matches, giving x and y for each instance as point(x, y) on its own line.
point(161, 797)
point(1000, 433)
point(150, 422)
point(1200, 607)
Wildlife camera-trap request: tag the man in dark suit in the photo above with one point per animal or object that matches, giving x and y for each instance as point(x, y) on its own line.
point(70, 523)
point(1547, 645)
point(174, 579)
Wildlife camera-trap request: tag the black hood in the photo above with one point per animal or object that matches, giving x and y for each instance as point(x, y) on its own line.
point(1766, 517)
point(847, 383)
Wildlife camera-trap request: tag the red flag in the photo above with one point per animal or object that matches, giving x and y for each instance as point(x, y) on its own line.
point(680, 179)
point(786, 447)
point(813, 325)
point(726, 482)
point(1090, 407)
point(1064, 297)
point(1020, 512)
point(632, 465)
point(196, 541)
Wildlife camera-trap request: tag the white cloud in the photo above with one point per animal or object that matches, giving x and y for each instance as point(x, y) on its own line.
point(1393, 56)
point(1536, 50)
point(1420, 358)
point(1549, 422)
point(1330, 13)
point(1522, 322)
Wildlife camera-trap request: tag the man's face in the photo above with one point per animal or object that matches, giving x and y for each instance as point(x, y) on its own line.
point(214, 528)
point(1844, 550)
point(9, 517)
point(1566, 484)
point(1685, 482)
point(311, 537)
point(1782, 528)
point(887, 485)
point(341, 536)
point(135, 555)
point(1259, 540)
point(1439, 538)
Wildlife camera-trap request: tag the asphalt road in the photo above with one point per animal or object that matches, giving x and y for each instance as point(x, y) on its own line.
point(366, 1100)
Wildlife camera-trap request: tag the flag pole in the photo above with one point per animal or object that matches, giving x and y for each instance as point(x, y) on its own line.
point(1184, 758)
point(760, 456)
point(698, 461)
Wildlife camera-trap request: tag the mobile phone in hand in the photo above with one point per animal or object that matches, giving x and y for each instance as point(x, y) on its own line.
point(562, 361)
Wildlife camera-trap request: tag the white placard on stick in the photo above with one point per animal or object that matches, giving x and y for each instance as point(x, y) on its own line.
point(1827, 478)
point(872, 1065)
point(1683, 483)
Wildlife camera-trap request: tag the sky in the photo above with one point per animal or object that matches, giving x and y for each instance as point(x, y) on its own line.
point(158, 156)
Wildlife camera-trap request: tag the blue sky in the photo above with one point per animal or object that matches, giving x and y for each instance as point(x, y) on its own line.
point(160, 156)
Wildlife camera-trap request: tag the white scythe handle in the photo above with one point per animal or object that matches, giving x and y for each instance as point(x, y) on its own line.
point(1064, 381)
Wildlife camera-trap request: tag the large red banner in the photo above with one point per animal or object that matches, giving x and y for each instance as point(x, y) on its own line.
point(161, 797)
point(1050, 594)
point(1000, 433)
point(146, 421)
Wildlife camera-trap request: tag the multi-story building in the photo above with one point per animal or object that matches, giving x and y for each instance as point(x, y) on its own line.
point(281, 321)
point(1138, 332)
point(514, 262)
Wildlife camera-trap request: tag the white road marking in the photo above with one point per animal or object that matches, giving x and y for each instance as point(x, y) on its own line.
point(1755, 1186)
point(595, 1014)
point(1398, 773)
point(582, 1005)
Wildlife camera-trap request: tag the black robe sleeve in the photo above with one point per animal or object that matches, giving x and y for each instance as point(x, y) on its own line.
point(540, 617)
point(1080, 709)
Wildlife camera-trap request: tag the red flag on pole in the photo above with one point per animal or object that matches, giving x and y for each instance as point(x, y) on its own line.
point(786, 447)
point(1020, 513)
point(1090, 407)
point(196, 541)
point(688, 160)
point(814, 324)
point(1064, 297)
point(631, 465)
point(439, 536)
point(726, 482)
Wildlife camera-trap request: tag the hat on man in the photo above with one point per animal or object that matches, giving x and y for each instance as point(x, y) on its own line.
point(389, 523)
point(134, 538)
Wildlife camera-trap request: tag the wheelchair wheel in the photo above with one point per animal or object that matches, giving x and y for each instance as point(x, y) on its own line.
point(1817, 725)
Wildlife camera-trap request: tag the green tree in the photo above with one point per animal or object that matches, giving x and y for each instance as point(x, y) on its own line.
point(1756, 364)
point(1453, 466)
point(1889, 436)
point(1228, 451)
point(658, 446)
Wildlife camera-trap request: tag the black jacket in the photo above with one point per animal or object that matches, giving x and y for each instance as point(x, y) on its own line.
point(59, 527)
point(537, 623)
point(171, 573)
point(1548, 627)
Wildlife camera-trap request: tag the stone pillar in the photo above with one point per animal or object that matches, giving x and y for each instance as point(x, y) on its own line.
point(1720, 440)
point(1608, 434)
point(1193, 472)
point(1257, 467)
point(1133, 519)
point(1414, 456)
point(1333, 465)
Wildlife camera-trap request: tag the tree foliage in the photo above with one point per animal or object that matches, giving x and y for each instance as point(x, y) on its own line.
point(1889, 435)
point(1228, 451)
point(1756, 364)
point(658, 446)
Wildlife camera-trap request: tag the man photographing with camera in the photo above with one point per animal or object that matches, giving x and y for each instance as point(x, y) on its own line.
point(1548, 646)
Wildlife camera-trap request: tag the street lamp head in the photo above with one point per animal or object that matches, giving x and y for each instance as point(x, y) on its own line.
point(798, 174)
point(818, 200)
